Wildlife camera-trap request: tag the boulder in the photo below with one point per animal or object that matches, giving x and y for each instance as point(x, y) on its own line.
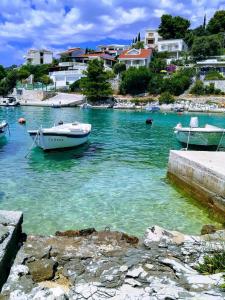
point(76, 233)
point(42, 270)
point(207, 229)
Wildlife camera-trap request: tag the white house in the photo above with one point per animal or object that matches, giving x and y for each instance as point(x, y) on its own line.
point(66, 73)
point(38, 57)
point(174, 47)
point(152, 38)
point(136, 57)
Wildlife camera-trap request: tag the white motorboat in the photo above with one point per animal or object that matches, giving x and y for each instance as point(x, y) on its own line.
point(208, 136)
point(61, 136)
point(9, 101)
point(3, 127)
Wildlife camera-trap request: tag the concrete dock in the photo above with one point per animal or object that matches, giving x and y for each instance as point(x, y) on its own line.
point(202, 175)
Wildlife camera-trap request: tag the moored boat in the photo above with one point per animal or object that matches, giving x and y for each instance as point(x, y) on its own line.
point(208, 136)
point(9, 101)
point(3, 127)
point(61, 136)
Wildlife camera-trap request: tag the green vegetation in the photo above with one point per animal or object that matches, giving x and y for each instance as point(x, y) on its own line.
point(213, 264)
point(166, 98)
point(96, 86)
point(135, 81)
point(119, 68)
point(200, 89)
point(8, 83)
point(217, 23)
point(207, 46)
point(173, 27)
point(214, 75)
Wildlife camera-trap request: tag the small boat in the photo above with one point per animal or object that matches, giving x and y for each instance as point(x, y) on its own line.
point(152, 108)
point(208, 136)
point(3, 126)
point(9, 101)
point(66, 135)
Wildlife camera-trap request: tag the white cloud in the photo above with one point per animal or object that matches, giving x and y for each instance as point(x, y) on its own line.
point(57, 24)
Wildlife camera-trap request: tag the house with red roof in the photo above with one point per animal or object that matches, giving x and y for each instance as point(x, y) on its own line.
point(136, 57)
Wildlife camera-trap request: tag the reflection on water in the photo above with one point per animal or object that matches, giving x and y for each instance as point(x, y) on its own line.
point(61, 159)
point(116, 179)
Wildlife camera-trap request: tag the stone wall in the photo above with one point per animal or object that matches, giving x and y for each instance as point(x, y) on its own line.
point(202, 175)
point(33, 95)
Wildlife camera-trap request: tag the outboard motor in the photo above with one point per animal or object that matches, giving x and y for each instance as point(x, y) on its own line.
point(194, 122)
point(149, 121)
point(60, 123)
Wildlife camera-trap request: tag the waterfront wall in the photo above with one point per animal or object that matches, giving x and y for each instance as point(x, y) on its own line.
point(201, 175)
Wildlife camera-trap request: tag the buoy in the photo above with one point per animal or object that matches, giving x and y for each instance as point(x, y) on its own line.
point(149, 121)
point(22, 121)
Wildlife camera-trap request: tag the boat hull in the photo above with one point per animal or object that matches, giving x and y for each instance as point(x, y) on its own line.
point(3, 130)
point(204, 139)
point(55, 141)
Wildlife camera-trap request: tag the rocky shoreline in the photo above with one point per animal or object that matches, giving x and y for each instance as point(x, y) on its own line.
point(93, 265)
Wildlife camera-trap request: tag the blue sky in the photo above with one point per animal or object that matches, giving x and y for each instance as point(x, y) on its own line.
point(59, 24)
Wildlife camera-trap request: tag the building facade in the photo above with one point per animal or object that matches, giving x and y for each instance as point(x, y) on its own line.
point(136, 57)
point(38, 57)
point(173, 47)
point(66, 73)
point(152, 38)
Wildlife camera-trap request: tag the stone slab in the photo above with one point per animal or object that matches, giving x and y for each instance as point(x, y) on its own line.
point(10, 230)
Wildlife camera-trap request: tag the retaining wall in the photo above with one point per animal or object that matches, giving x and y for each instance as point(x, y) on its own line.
point(202, 175)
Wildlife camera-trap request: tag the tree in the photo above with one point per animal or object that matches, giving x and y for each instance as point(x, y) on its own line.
point(207, 46)
point(217, 23)
point(198, 88)
point(139, 37)
point(8, 83)
point(23, 74)
point(173, 27)
point(119, 67)
point(2, 72)
point(166, 98)
point(157, 65)
point(46, 80)
point(95, 86)
point(135, 81)
point(139, 45)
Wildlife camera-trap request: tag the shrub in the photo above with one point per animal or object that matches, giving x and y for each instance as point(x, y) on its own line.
point(166, 98)
point(213, 264)
point(119, 68)
point(198, 88)
point(135, 81)
point(214, 75)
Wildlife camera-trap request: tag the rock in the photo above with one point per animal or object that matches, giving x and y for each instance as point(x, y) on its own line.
point(206, 229)
point(72, 269)
point(112, 278)
point(135, 272)
point(160, 236)
point(42, 270)
point(132, 282)
point(178, 267)
point(203, 282)
point(76, 233)
point(130, 239)
point(123, 268)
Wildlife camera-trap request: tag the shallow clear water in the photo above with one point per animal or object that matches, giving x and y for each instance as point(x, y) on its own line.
point(118, 179)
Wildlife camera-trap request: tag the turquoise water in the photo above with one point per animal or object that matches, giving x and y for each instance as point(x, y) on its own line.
point(118, 179)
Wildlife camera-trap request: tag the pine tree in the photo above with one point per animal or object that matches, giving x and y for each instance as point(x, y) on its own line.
point(204, 23)
point(139, 37)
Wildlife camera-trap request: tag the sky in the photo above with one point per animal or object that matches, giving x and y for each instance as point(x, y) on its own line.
point(61, 24)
